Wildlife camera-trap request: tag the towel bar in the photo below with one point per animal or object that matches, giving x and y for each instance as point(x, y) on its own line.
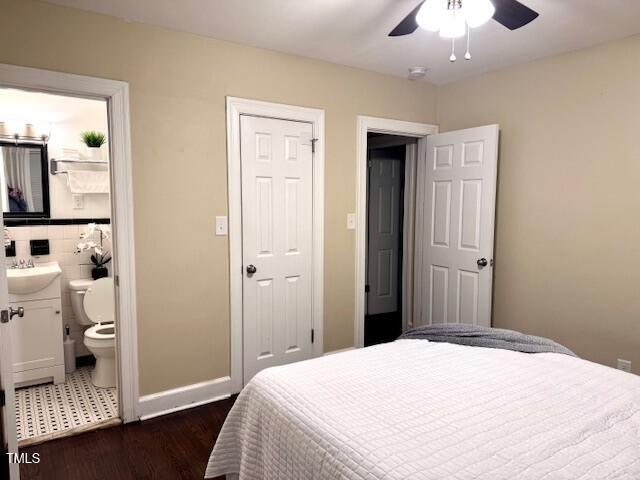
point(54, 164)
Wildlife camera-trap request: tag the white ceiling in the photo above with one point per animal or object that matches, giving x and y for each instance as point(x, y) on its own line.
point(354, 32)
point(35, 107)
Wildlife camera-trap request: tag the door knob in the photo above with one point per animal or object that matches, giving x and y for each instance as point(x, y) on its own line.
point(16, 311)
point(482, 262)
point(251, 269)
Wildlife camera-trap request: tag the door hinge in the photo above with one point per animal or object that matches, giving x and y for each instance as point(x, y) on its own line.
point(2, 399)
point(313, 145)
point(313, 335)
point(366, 289)
point(4, 316)
point(116, 280)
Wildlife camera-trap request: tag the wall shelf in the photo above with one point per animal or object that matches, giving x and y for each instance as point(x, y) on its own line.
point(54, 164)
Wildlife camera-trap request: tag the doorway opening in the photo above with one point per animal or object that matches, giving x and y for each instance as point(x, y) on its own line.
point(450, 248)
point(385, 233)
point(56, 201)
point(390, 167)
point(44, 237)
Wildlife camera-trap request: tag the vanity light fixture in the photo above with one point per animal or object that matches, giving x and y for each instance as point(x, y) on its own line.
point(19, 131)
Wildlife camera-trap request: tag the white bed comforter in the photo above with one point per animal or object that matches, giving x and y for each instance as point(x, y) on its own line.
point(412, 409)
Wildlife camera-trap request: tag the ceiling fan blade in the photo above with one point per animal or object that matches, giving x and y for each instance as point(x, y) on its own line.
point(408, 25)
point(512, 14)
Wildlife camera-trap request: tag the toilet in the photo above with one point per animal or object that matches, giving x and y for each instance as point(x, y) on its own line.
point(93, 303)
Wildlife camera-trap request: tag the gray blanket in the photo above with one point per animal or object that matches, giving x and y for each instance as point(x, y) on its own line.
point(487, 337)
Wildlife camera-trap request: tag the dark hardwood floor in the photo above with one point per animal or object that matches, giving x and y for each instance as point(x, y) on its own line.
point(175, 446)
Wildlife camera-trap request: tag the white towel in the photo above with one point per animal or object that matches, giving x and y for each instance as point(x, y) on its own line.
point(86, 181)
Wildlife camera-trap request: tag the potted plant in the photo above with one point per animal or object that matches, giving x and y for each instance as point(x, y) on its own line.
point(99, 257)
point(94, 140)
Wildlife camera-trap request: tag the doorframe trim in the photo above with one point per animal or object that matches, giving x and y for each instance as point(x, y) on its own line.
point(409, 232)
point(378, 125)
point(242, 106)
point(116, 94)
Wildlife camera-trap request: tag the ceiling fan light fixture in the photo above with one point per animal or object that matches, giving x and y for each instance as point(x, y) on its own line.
point(478, 12)
point(453, 25)
point(431, 15)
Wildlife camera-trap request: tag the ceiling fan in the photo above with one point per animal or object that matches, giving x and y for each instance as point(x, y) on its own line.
point(455, 18)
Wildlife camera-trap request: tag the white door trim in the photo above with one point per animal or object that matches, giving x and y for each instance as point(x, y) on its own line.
point(366, 125)
point(116, 93)
point(408, 233)
point(235, 108)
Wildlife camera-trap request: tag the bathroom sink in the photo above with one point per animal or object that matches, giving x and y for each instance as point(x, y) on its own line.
point(30, 280)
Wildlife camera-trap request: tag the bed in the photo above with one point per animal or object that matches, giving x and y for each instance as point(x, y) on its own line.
point(416, 409)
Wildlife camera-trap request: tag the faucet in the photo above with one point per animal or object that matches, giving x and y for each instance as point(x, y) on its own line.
point(22, 264)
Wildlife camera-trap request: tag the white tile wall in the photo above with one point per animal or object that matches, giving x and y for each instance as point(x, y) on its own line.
point(63, 240)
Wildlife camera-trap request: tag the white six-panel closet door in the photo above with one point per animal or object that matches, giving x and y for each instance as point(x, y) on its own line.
point(277, 234)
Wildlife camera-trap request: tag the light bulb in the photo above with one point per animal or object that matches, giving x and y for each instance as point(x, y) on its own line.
point(431, 14)
point(478, 12)
point(30, 130)
point(454, 25)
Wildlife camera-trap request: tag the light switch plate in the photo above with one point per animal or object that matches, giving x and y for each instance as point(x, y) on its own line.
point(351, 221)
point(77, 200)
point(222, 227)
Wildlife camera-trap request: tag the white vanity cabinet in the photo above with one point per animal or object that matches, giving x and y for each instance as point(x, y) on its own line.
point(37, 337)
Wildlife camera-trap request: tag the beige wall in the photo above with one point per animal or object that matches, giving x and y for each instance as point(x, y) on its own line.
point(568, 218)
point(178, 86)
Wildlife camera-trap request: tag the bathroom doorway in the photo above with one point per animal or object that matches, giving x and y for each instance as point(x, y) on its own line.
point(67, 211)
point(56, 203)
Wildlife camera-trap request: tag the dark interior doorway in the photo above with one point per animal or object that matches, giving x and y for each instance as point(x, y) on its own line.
point(385, 209)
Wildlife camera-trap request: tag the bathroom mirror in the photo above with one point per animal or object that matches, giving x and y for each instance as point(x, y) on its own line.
point(24, 185)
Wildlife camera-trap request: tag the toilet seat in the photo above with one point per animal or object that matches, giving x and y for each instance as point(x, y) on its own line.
point(101, 332)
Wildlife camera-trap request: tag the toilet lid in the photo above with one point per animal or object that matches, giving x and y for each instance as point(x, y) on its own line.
point(99, 301)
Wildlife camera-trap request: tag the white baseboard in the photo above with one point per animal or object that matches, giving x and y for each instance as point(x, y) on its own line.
point(338, 351)
point(182, 398)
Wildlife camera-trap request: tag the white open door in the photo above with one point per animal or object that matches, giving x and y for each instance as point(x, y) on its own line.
point(277, 234)
point(9, 435)
point(456, 263)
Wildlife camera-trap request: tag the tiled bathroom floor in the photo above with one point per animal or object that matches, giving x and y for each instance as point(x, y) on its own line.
point(52, 410)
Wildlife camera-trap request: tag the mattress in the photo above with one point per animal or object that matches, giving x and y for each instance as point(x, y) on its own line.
point(413, 409)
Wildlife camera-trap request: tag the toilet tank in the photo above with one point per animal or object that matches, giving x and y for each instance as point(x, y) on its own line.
point(77, 289)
